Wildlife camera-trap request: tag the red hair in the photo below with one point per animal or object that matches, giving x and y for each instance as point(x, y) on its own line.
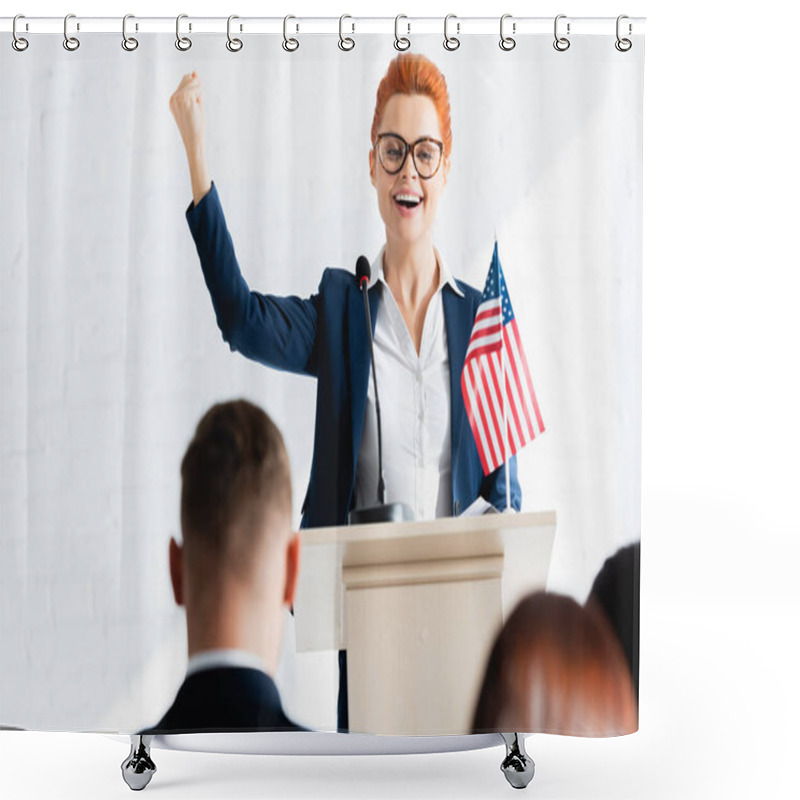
point(556, 667)
point(411, 73)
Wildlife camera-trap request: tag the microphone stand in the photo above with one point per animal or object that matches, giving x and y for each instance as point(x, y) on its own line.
point(384, 512)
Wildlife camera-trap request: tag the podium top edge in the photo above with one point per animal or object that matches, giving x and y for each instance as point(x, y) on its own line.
point(442, 526)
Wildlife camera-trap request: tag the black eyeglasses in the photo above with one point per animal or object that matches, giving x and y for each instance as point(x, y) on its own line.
point(393, 151)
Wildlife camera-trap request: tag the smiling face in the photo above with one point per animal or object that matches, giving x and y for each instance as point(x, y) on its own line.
point(408, 203)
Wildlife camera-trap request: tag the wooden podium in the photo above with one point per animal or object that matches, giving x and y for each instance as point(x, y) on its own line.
point(417, 606)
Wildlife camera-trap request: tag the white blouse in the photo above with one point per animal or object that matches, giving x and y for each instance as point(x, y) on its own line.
point(414, 391)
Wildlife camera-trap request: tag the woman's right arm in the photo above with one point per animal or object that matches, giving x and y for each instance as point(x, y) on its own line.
point(277, 331)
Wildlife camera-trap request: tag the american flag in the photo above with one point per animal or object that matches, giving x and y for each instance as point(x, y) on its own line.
point(494, 353)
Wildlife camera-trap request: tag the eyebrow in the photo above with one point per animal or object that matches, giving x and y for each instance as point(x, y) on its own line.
point(418, 139)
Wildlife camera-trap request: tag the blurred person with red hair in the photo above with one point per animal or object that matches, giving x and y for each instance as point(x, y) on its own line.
point(421, 317)
point(556, 667)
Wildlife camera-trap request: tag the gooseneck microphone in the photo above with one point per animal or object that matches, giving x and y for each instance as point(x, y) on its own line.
point(363, 273)
point(383, 512)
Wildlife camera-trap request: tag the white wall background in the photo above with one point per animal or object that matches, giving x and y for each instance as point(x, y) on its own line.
point(111, 352)
point(720, 604)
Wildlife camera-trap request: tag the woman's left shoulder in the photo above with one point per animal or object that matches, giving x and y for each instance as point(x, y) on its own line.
point(470, 293)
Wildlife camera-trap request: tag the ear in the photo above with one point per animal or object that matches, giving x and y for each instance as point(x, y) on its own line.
point(446, 168)
point(292, 569)
point(372, 165)
point(176, 570)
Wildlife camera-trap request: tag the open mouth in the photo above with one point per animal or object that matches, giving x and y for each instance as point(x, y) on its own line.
point(408, 200)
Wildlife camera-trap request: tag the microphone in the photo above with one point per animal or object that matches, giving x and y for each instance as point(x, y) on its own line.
point(363, 274)
point(383, 512)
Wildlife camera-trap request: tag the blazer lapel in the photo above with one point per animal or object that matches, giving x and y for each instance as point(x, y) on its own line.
point(458, 323)
point(360, 360)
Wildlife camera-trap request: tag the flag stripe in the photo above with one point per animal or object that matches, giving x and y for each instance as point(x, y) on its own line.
point(527, 386)
point(496, 404)
point(520, 434)
point(487, 349)
point(487, 328)
point(483, 407)
point(480, 422)
point(518, 389)
point(494, 389)
point(488, 433)
point(524, 362)
point(512, 424)
point(487, 308)
point(469, 395)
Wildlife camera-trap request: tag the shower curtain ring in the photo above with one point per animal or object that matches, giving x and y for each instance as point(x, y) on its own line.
point(70, 42)
point(401, 42)
point(507, 42)
point(18, 42)
point(290, 44)
point(233, 44)
point(561, 43)
point(623, 45)
point(451, 42)
point(183, 43)
point(129, 43)
point(346, 42)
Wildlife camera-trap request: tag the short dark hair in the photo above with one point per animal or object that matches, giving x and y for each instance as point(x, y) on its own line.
point(235, 475)
point(616, 591)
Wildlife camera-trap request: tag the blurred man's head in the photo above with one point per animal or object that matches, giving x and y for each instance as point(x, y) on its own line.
point(616, 592)
point(556, 667)
point(238, 549)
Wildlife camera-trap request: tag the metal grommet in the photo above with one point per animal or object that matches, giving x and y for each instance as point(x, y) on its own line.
point(507, 42)
point(401, 43)
point(623, 45)
point(18, 42)
point(70, 42)
point(451, 42)
point(183, 43)
point(561, 43)
point(290, 44)
point(233, 44)
point(129, 43)
point(345, 42)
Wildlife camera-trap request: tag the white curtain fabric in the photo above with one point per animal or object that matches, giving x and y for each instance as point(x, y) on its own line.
point(110, 351)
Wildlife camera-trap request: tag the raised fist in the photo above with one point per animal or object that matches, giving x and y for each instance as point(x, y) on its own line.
point(186, 105)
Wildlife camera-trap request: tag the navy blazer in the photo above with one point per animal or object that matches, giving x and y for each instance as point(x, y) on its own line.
point(225, 699)
point(325, 336)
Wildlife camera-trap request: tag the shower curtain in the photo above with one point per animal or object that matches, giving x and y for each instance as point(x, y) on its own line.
point(111, 352)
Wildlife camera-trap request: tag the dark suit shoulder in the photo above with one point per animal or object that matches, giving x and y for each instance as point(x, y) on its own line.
point(335, 278)
point(225, 699)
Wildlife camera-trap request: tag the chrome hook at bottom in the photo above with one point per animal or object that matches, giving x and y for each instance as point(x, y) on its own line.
point(138, 768)
point(517, 766)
